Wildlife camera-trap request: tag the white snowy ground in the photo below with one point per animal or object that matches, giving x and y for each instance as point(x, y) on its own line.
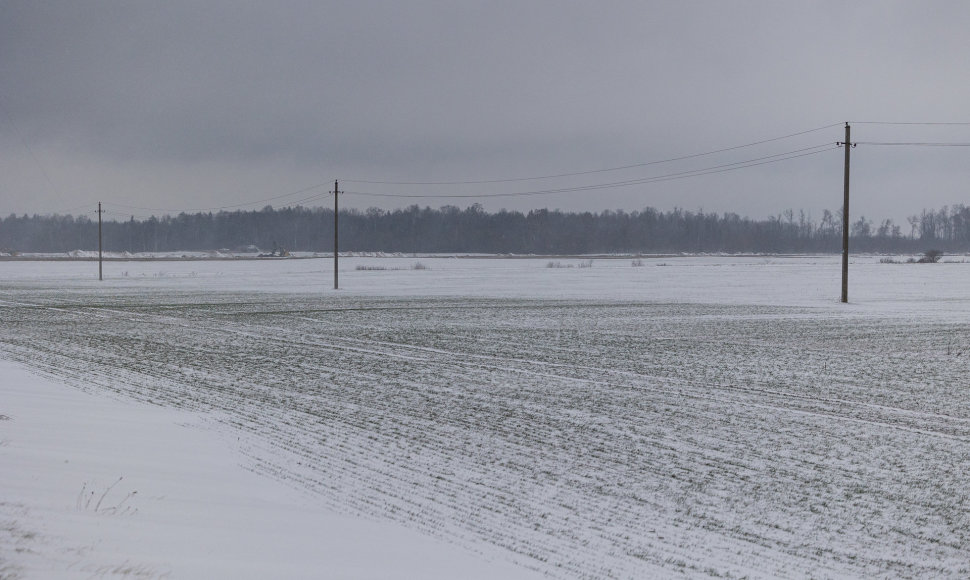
point(184, 506)
point(711, 416)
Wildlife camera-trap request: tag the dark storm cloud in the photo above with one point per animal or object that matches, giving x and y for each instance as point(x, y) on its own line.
point(146, 100)
point(311, 81)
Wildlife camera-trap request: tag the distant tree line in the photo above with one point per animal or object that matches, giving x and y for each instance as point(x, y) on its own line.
point(451, 229)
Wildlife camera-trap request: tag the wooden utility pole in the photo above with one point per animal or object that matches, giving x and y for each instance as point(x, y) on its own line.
point(336, 194)
point(100, 255)
point(845, 217)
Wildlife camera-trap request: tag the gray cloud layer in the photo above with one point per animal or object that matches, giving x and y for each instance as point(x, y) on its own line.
point(206, 104)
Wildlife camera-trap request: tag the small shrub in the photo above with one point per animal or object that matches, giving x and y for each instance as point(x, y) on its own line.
point(930, 257)
point(419, 266)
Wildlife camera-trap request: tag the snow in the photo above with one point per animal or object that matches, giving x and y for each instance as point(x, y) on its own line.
point(699, 416)
point(783, 280)
point(195, 513)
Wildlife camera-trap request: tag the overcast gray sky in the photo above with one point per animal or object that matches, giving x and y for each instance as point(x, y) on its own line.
point(170, 106)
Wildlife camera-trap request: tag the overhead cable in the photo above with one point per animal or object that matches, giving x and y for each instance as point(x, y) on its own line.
point(667, 177)
point(912, 144)
point(959, 123)
point(588, 172)
point(224, 207)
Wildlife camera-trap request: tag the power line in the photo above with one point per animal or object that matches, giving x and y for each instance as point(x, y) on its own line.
point(142, 216)
point(23, 141)
point(127, 215)
point(507, 180)
point(907, 123)
point(578, 173)
point(667, 177)
point(912, 144)
point(775, 158)
point(84, 206)
point(258, 201)
point(787, 155)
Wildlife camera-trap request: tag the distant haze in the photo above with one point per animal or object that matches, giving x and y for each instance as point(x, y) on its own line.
point(180, 106)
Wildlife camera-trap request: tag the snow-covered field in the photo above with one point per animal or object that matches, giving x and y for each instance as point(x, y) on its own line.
point(711, 416)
